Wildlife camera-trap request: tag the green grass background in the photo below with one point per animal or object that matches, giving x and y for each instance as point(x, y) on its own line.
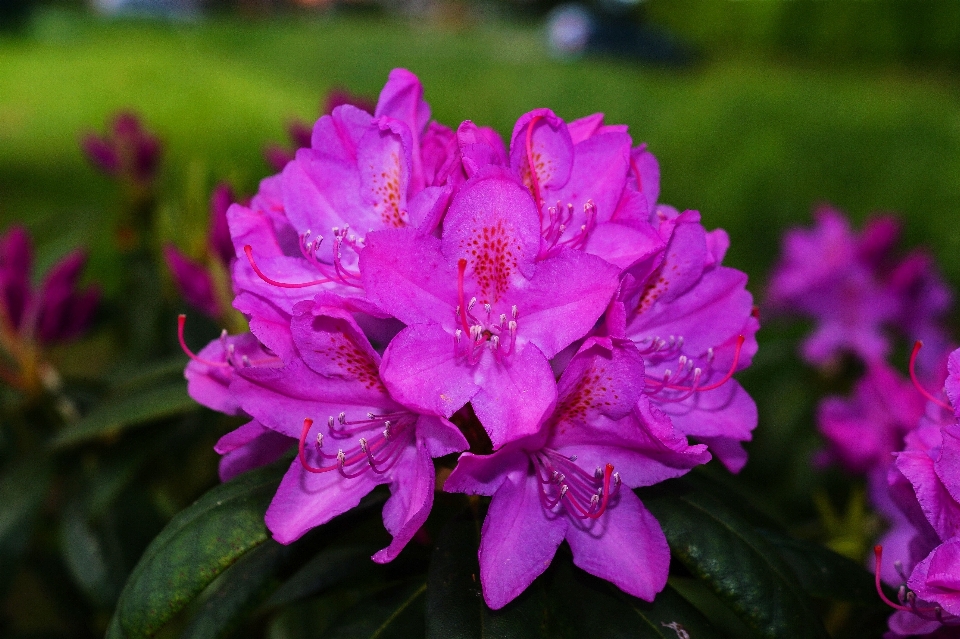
point(753, 142)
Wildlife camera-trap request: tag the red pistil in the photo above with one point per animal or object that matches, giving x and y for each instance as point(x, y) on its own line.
point(715, 385)
point(181, 321)
point(916, 382)
point(534, 179)
point(365, 452)
point(461, 269)
point(878, 553)
point(256, 269)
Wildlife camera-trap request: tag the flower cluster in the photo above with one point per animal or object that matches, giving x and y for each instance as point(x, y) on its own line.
point(924, 543)
point(902, 438)
point(32, 318)
point(415, 292)
point(856, 289)
point(128, 152)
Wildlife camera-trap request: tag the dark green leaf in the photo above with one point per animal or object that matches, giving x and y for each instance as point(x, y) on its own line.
point(236, 592)
point(111, 417)
point(734, 559)
point(134, 376)
point(583, 605)
point(22, 490)
point(197, 545)
point(325, 569)
point(823, 573)
point(93, 561)
point(455, 606)
point(396, 613)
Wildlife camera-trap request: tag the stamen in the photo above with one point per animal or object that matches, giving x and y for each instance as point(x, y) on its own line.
point(715, 385)
point(910, 596)
point(916, 382)
point(181, 320)
point(256, 269)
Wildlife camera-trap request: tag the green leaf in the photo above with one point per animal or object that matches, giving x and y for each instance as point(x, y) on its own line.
point(93, 561)
point(396, 613)
point(236, 592)
point(734, 559)
point(133, 376)
point(196, 546)
point(455, 606)
point(111, 417)
point(825, 574)
point(23, 487)
point(584, 605)
point(325, 569)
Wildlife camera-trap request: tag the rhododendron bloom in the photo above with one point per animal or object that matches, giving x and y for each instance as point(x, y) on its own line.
point(483, 314)
point(569, 481)
point(692, 320)
point(857, 290)
point(931, 465)
point(353, 434)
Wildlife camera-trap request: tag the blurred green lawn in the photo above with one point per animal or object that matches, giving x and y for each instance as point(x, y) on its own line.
point(751, 142)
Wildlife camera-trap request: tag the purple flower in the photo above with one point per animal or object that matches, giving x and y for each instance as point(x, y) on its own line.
point(483, 314)
point(930, 464)
point(31, 318)
point(128, 152)
point(563, 482)
point(362, 436)
point(856, 289)
point(863, 431)
point(693, 321)
point(57, 311)
point(306, 227)
point(300, 131)
point(821, 275)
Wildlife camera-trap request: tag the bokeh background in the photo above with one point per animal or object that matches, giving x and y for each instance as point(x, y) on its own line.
point(757, 110)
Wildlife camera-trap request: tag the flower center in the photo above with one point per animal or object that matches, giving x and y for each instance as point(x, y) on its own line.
point(908, 599)
point(231, 360)
point(688, 378)
point(585, 496)
point(558, 222)
point(486, 329)
point(383, 438)
point(310, 249)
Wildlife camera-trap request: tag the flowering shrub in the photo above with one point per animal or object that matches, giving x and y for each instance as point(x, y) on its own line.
point(500, 367)
point(481, 274)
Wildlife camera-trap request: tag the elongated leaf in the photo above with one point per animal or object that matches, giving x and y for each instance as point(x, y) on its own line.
point(197, 545)
point(23, 487)
point(584, 605)
point(735, 561)
point(823, 573)
point(325, 569)
point(455, 606)
point(397, 613)
point(236, 592)
point(110, 418)
point(92, 559)
point(133, 376)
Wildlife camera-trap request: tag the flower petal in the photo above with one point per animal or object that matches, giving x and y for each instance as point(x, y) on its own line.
point(625, 546)
point(518, 541)
point(410, 502)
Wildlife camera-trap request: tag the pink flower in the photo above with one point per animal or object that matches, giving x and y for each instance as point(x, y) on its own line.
point(484, 315)
point(333, 396)
point(857, 290)
point(128, 152)
point(31, 318)
point(563, 482)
